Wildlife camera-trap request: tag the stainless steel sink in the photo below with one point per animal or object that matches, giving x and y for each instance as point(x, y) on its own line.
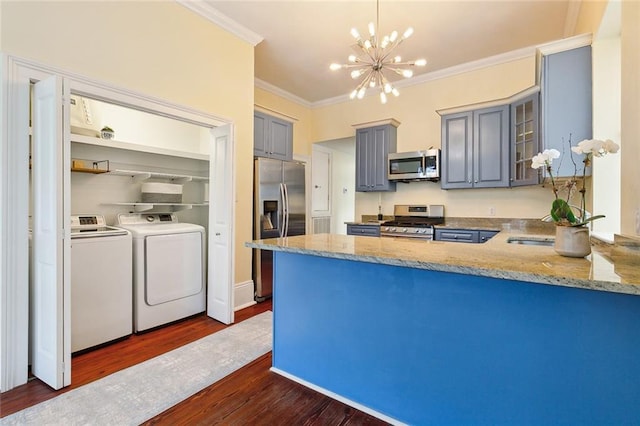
point(531, 241)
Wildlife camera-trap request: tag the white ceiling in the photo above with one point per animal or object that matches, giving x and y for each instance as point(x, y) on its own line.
point(302, 38)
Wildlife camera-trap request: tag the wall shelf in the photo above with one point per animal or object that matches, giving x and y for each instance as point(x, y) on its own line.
point(143, 207)
point(142, 175)
point(89, 140)
point(97, 167)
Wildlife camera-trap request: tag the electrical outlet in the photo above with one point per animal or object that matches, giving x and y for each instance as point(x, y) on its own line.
point(492, 211)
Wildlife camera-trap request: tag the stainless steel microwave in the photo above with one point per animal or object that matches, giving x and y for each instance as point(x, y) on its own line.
point(416, 165)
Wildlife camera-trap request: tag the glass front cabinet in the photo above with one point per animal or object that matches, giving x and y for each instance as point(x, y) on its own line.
point(525, 140)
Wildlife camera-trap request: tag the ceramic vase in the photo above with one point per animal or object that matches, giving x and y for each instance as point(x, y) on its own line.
point(572, 241)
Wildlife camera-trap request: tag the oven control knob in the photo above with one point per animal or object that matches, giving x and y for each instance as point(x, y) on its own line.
point(392, 229)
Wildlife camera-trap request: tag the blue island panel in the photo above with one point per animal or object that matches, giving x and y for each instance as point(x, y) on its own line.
point(427, 347)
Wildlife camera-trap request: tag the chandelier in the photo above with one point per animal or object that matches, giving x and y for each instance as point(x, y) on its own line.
point(374, 58)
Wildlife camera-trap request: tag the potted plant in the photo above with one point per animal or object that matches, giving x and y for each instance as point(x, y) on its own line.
point(572, 236)
point(107, 132)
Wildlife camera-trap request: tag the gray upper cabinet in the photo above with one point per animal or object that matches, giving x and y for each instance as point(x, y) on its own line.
point(566, 103)
point(272, 137)
point(475, 149)
point(525, 141)
point(373, 145)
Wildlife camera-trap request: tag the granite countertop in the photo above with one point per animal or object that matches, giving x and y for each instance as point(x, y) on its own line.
point(612, 268)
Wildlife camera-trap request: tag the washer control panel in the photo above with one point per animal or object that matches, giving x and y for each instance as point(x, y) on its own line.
point(146, 218)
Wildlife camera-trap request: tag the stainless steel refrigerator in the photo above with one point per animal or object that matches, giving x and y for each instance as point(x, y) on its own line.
point(279, 211)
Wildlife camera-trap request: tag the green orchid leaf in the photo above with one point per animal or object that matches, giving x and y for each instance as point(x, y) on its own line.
point(584, 222)
point(560, 210)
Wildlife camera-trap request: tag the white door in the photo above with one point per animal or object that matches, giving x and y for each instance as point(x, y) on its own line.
point(51, 345)
point(321, 182)
point(220, 281)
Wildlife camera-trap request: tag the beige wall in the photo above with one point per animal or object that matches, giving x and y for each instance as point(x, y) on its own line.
point(630, 150)
point(156, 48)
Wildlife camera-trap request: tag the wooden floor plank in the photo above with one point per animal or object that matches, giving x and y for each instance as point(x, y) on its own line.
point(252, 395)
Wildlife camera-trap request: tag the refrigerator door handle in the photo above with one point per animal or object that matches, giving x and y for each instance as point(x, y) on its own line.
point(283, 212)
point(286, 211)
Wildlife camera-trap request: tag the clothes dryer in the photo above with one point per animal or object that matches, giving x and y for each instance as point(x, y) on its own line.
point(168, 268)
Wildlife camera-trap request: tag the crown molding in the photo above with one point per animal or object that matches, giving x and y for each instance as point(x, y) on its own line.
point(261, 84)
point(565, 44)
point(208, 12)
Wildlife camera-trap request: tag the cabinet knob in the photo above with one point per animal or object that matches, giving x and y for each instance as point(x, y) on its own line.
point(476, 182)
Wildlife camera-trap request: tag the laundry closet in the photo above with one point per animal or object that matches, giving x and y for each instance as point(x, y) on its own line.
point(122, 195)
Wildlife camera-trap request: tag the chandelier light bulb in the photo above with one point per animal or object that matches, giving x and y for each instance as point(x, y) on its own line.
point(356, 73)
point(421, 62)
point(383, 97)
point(372, 29)
point(397, 59)
point(393, 37)
point(388, 88)
point(367, 44)
point(372, 83)
point(407, 73)
point(395, 92)
point(361, 93)
point(407, 33)
point(353, 94)
point(355, 33)
point(354, 58)
point(335, 67)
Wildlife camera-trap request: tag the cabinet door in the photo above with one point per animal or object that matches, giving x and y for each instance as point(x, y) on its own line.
point(363, 138)
point(456, 151)
point(280, 138)
point(379, 158)
point(566, 103)
point(491, 147)
point(524, 140)
point(372, 156)
point(260, 134)
point(457, 235)
point(272, 137)
point(364, 230)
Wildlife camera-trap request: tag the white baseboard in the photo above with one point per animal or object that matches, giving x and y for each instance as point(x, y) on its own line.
point(243, 295)
point(337, 397)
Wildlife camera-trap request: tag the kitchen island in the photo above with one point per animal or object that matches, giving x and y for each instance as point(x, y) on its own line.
point(428, 332)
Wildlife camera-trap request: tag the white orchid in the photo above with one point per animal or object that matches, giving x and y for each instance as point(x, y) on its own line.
point(544, 158)
point(560, 209)
point(596, 147)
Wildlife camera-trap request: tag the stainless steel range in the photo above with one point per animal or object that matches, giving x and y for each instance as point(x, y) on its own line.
point(413, 221)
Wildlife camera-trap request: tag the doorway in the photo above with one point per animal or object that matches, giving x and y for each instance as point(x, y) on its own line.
point(341, 180)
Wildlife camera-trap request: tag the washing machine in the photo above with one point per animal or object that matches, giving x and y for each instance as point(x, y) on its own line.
point(168, 268)
point(101, 282)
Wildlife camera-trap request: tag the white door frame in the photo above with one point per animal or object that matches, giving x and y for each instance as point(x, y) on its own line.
point(16, 75)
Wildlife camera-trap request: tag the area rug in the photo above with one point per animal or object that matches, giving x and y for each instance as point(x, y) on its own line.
point(134, 395)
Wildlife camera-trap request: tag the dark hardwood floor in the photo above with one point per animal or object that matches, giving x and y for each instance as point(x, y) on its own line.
point(252, 395)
